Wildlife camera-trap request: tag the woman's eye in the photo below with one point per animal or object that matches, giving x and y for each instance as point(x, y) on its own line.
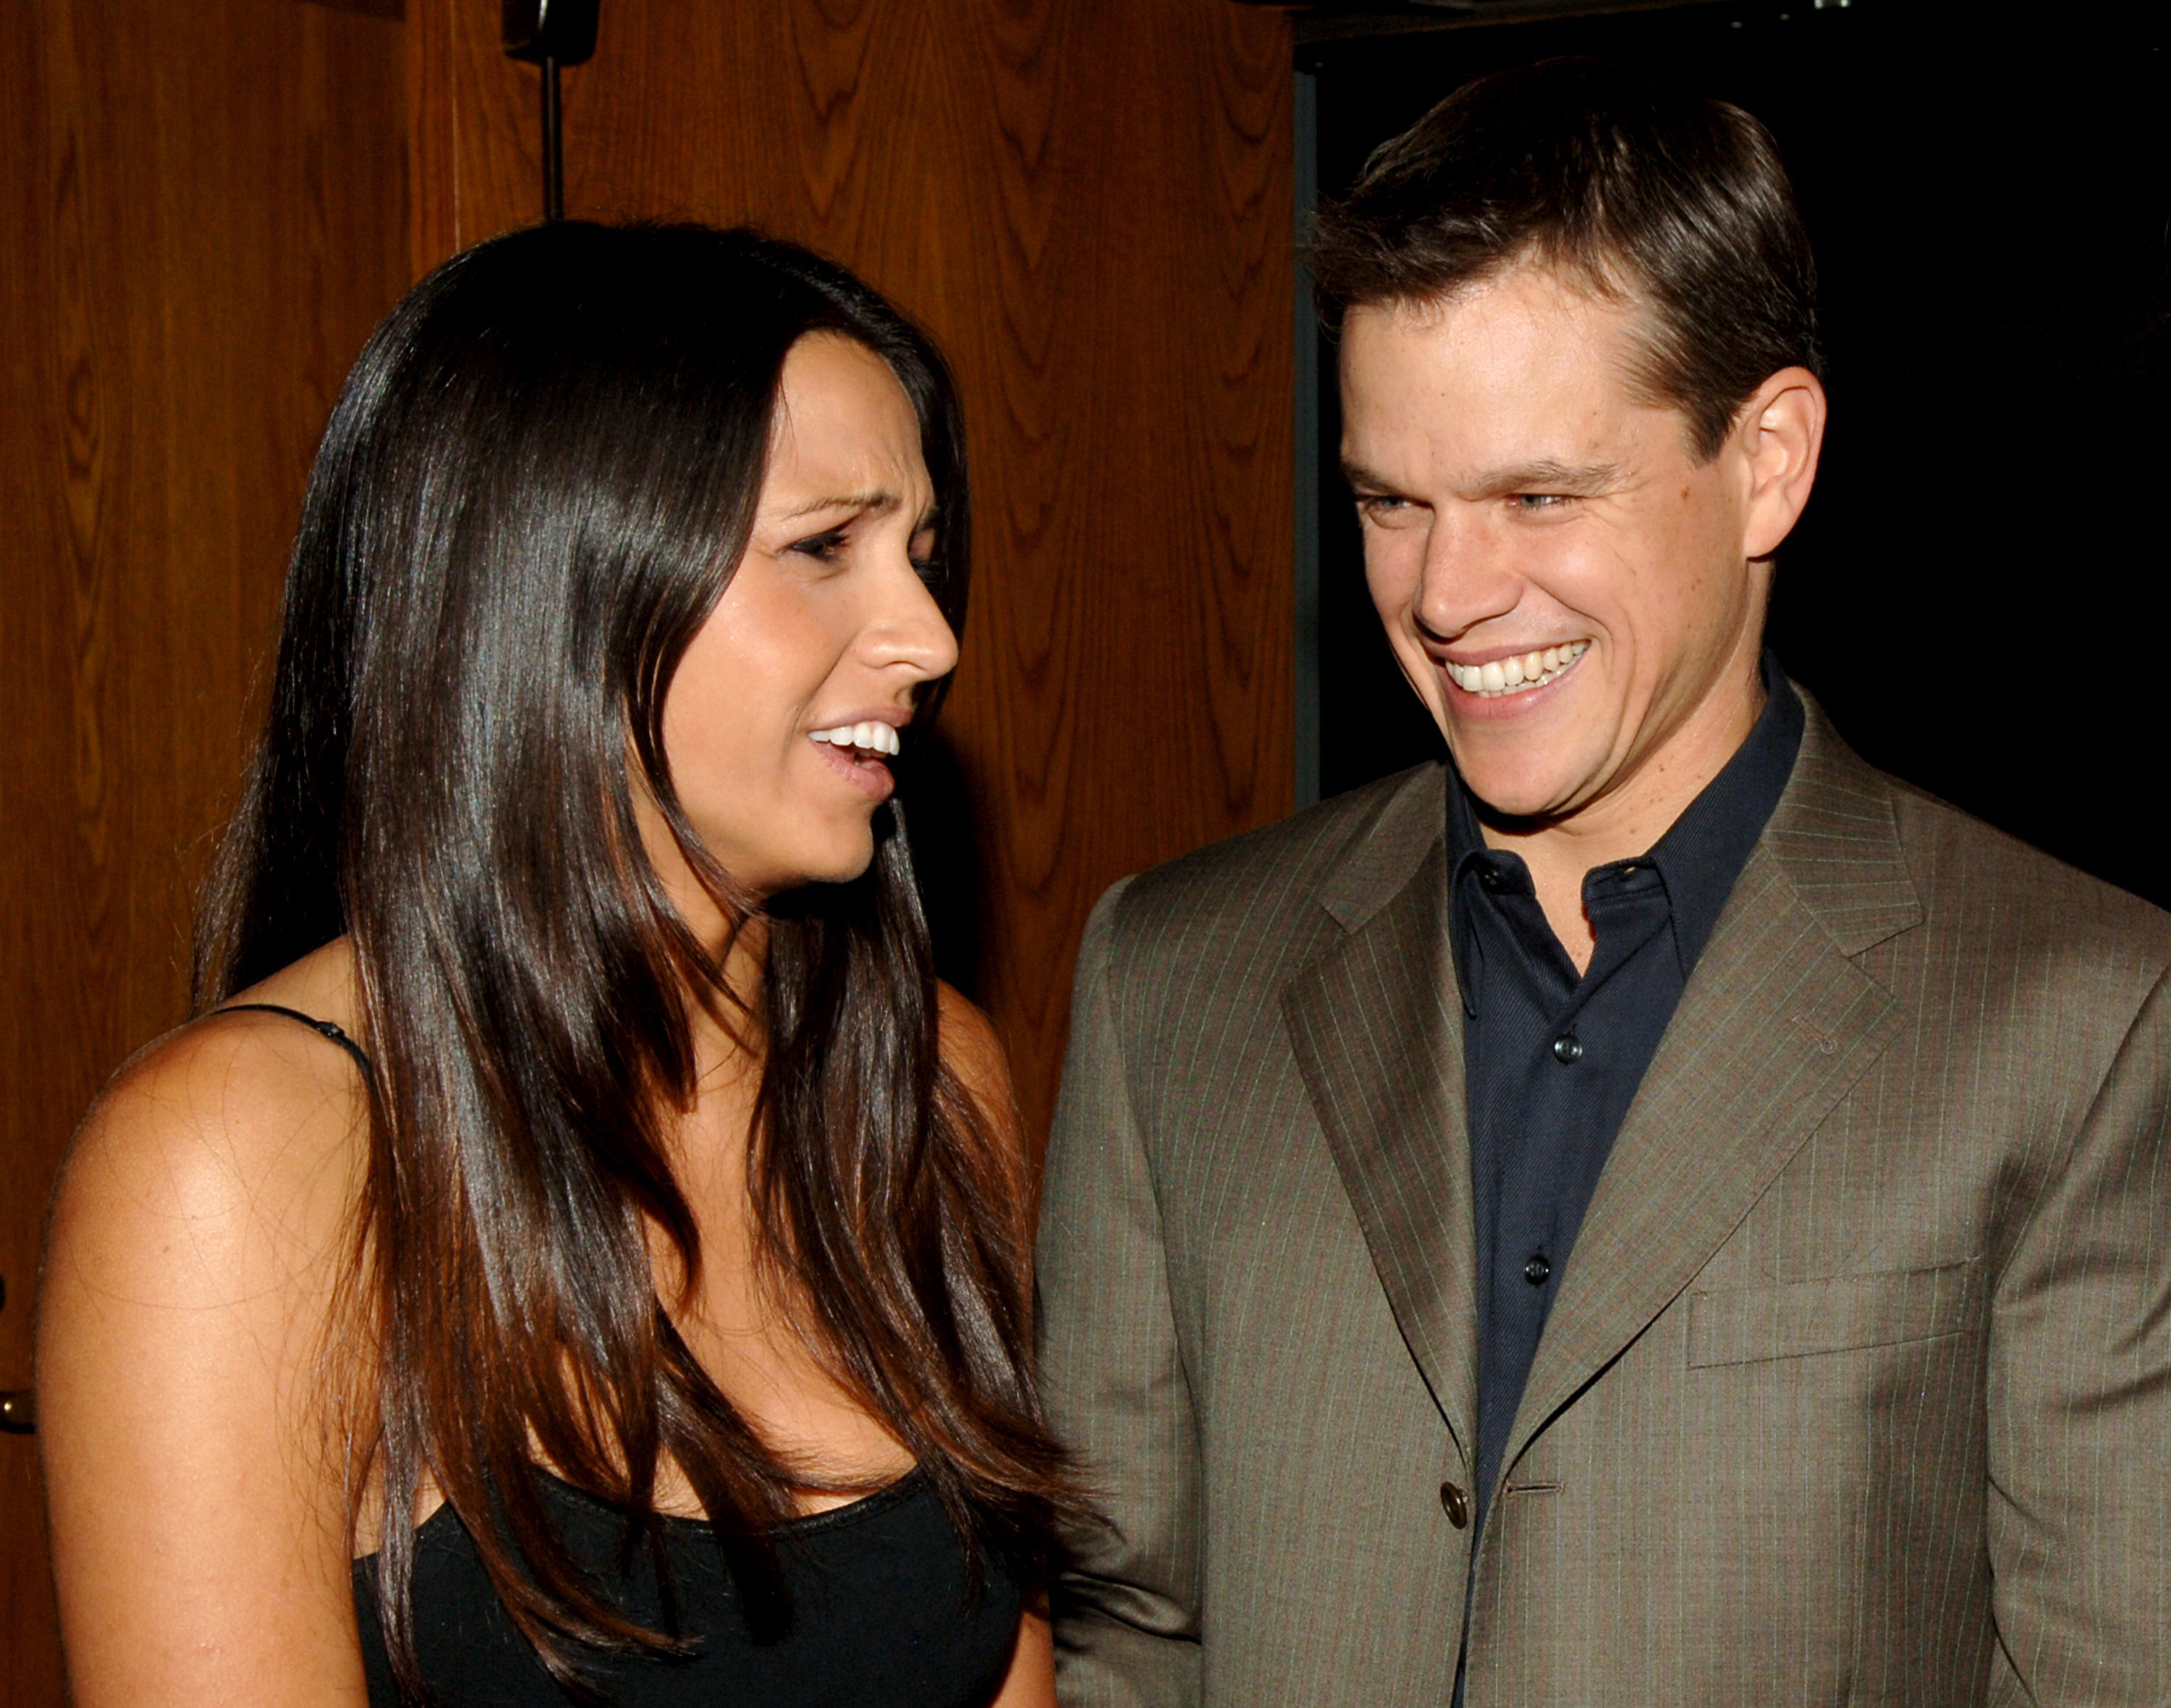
point(822, 548)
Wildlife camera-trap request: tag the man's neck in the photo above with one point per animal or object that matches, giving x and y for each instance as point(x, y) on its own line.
point(1629, 818)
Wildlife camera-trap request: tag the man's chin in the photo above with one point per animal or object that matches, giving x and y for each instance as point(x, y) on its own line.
point(1526, 795)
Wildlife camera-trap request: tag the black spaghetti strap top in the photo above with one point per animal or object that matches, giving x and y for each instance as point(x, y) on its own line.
point(324, 1028)
point(883, 1607)
point(880, 1614)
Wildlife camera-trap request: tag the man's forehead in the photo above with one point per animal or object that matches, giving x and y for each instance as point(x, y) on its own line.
point(1525, 309)
point(1522, 371)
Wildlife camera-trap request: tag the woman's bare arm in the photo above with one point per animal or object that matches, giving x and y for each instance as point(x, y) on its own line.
point(1030, 1683)
point(976, 1055)
point(185, 1387)
point(972, 1051)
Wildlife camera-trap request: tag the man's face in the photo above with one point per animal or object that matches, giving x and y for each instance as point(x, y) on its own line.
point(1565, 586)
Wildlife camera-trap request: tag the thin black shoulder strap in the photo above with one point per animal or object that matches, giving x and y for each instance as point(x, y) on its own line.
point(324, 1028)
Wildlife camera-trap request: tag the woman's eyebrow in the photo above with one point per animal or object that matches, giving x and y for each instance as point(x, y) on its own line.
point(876, 503)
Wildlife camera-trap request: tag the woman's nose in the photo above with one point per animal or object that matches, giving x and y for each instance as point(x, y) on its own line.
point(908, 629)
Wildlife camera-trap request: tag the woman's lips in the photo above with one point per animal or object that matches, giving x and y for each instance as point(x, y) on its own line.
point(860, 767)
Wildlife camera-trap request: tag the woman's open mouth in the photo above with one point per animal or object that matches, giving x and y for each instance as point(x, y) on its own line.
point(858, 751)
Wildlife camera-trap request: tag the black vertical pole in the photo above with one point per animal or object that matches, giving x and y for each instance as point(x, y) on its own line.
point(1305, 110)
point(550, 35)
point(554, 146)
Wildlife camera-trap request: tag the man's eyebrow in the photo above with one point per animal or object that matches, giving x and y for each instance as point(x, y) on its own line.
point(877, 501)
point(1361, 478)
point(1543, 474)
point(1548, 475)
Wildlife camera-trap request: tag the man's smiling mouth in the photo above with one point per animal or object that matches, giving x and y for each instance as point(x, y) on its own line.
point(1515, 675)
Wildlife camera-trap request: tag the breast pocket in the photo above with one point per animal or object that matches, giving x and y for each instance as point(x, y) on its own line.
point(1834, 1314)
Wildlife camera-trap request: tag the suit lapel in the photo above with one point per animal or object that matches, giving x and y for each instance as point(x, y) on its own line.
point(1776, 1024)
point(1377, 1033)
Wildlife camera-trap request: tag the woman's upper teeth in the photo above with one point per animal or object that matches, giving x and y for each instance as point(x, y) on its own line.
point(1505, 675)
point(875, 737)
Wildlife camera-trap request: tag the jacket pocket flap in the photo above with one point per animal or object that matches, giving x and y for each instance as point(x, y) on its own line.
point(1835, 1313)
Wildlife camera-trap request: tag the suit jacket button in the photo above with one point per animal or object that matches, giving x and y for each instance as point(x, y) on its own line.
point(1455, 1504)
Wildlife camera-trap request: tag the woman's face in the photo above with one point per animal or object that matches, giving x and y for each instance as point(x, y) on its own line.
point(788, 702)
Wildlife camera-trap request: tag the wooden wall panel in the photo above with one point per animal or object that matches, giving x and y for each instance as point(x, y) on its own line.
point(204, 214)
point(1088, 202)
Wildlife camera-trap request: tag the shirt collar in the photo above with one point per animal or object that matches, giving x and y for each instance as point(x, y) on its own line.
point(1702, 852)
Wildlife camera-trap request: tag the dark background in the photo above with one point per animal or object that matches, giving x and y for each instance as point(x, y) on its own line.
point(1978, 591)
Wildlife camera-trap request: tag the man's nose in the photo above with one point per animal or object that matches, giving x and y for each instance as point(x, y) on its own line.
point(907, 629)
point(1464, 578)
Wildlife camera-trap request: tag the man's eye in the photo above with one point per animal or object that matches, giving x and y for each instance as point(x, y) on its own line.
point(820, 547)
point(1380, 507)
point(1538, 500)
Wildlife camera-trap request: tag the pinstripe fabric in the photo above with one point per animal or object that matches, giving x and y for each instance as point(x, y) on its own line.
point(1857, 1388)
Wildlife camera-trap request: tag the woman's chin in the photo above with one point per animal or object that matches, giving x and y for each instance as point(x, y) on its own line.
point(812, 872)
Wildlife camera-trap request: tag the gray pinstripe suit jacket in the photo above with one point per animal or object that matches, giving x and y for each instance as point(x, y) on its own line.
point(1857, 1388)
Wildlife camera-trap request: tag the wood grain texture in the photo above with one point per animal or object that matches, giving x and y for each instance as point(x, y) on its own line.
point(205, 215)
point(1087, 201)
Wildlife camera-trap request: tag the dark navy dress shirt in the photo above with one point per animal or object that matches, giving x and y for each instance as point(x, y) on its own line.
point(1551, 1059)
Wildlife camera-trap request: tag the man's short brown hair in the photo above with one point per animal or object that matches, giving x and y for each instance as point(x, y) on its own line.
point(1673, 202)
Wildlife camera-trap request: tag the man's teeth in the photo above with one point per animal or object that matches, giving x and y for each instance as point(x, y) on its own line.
point(1506, 675)
point(873, 738)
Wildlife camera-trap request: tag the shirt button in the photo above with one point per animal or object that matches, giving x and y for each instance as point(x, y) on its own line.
point(1455, 1504)
point(1567, 1047)
point(1488, 878)
point(1537, 1271)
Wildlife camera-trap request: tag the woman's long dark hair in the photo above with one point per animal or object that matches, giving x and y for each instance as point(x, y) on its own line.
point(530, 496)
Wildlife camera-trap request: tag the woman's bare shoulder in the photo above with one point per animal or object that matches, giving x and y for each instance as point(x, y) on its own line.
point(189, 1366)
point(247, 1131)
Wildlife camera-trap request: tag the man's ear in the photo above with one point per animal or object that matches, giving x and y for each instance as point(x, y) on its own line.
point(1779, 431)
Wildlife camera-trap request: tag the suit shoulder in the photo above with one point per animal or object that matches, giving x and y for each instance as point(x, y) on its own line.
point(1269, 875)
point(2011, 895)
point(1202, 949)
